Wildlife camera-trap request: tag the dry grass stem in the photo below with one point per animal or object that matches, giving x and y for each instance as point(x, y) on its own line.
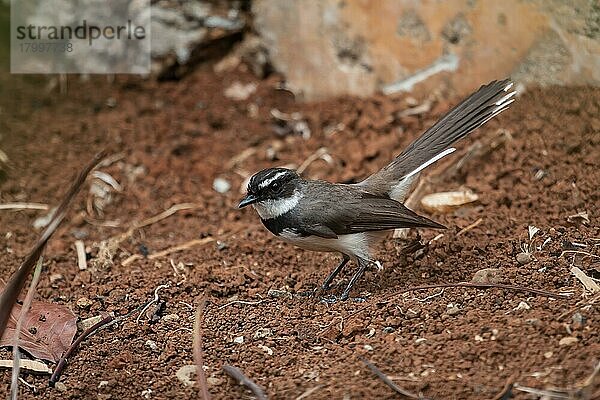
point(24, 206)
point(242, 379)
point(389, 382)
point(198, 352)
point(469, 227)
point(14, 387)
point(174, 249)
point(81, 256)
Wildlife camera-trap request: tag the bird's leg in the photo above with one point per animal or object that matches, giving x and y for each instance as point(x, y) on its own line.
point(362, 266)
point(327, 284)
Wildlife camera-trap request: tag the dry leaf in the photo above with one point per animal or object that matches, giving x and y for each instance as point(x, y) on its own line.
point(47, 331)
point(10, 292)
point(444, 202)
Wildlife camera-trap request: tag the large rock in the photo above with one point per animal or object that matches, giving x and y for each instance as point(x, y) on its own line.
point(335, 47)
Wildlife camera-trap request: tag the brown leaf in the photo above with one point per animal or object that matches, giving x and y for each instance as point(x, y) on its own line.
point(11, 290)
point(47, 332)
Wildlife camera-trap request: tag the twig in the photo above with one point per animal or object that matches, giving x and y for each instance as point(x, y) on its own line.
point(469, 227)
point(14, 386)
point(108, 247)
point(165, 214)
point(174, 249)
point(463, 284)
point(430, 297)
point(320, 153)
point(252, 303)
point(551, 394)
point(62, 363)
point(154, 300)
point(308, 392)
point(506, 392)
point(11, 291)
point(242, 379)
point(81, 256)
point(579, 305)
point(388, 381)
point(578, 252)
point(198, 353)
point(29, 385)
point(24, 206)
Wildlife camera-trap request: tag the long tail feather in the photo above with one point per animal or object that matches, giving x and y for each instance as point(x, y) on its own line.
point(435, 143)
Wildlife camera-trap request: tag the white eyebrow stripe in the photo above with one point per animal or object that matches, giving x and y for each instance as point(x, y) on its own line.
point(267, 182)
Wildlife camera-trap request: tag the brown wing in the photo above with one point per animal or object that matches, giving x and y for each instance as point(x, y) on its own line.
point(342, 209)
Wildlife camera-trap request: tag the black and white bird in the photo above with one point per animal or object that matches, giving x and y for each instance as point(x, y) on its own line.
point(351, 218)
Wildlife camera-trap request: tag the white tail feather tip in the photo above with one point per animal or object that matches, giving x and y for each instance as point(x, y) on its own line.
point(505, 98)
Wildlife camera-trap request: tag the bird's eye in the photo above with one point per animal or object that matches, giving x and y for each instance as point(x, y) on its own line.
point(275, 186)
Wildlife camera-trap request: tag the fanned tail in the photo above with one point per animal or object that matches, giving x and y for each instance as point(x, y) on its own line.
point(435, 143)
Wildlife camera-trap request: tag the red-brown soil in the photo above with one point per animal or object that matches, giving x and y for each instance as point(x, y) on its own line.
point(463, 343)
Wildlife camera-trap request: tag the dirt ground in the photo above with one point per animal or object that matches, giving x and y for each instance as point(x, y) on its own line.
point(169, 141)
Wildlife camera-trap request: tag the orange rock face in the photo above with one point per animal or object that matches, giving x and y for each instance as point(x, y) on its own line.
point(330, 48)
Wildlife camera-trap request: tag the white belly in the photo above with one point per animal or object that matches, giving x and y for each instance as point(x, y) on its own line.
point(354, 244)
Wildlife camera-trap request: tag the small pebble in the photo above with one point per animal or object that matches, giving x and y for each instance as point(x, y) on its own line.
point(61, 387)
point(263, 333)
point(84, 302)
point(524, 258)
point(239, 340)
point(221, 185)
point(212, 381)
point(170, 317)
point(548, 354)
point(266, 349)
point(368, 347)
point(278, 293)
point(487, 275)
point(89, 322)
point(185, 374)
point(151, 344)
point(452, 309)
point(567, 341)
point(102, 384)
point(522, 306)
point(578, 321)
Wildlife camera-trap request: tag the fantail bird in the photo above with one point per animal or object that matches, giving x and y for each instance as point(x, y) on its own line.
point(351, 218)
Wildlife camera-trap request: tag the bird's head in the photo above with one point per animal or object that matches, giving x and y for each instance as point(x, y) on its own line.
point(272, 192)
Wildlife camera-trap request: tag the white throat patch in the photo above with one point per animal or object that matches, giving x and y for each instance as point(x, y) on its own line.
point(268, 209)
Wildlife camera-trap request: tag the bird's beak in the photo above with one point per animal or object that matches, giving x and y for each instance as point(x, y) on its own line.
point(246, 201)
